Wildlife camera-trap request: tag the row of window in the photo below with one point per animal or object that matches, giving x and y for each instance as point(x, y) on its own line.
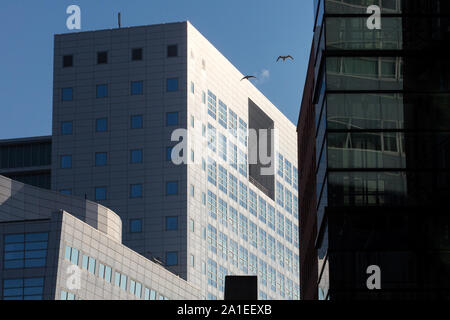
point(137, 54)
point(23, 289)
point(25, 250)
point(105, 272)
point(226, 248)
point(136, 88)
point(171, 224)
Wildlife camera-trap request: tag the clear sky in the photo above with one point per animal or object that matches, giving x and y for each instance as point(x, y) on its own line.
point(250, 33)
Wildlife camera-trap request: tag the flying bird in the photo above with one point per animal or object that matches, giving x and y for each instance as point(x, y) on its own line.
point(284, 58)
point(248, 78)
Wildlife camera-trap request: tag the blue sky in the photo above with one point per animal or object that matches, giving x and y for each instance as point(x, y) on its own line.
point(250, 33)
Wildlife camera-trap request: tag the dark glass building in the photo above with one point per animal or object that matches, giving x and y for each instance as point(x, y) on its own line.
point(382, 131)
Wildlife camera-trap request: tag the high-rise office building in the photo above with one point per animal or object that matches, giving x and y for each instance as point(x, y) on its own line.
point(381, 99)
point(118, 97)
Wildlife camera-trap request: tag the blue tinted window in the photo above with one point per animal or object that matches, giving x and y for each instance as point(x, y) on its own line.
point(135, 225)
point(172, 119)
point(23, 289)
point(25, 250)
point(100, 193)
point(67, 94)
point(171, 258)
point(172, 84)
point(66, 192)
point(137, 87)
point(136, 156)
point(66, 127)
point(172, 188)
point(102, 90)
point(66, 162)
point(136, 191)
point(171, 223)
point(100, 159)
point(169, 154)
point(136, 122)
point(101, 125)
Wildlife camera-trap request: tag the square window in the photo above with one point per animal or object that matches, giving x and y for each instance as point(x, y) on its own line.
point(137, 88)
point(67, 192)
point(136, 191)
point(172, 119)
point(136, 122)
point(172, 84)
point(66, 127)
point(102, 57)
point(101, 125)
point(172, 50)
point(67, 94)
point(66, 162)
point(172, 188)
point(100, 159)
point(136, 156)
point(68, 61)
point(136, 54)
point(135, 225)
point(171, 223)
point(100, 193)
point(102, 90)
point(171, 258)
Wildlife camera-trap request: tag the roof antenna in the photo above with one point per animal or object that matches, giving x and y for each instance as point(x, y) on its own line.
point(119, 20)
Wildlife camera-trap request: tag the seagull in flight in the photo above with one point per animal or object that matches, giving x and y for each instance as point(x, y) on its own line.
point(248, 78)
point(284, 58)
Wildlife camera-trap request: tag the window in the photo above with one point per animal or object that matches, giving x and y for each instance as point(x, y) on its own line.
point(172, 188)
point(280, 253)
point(223, 212)
point(136, 156)
point(253, 264)
point(212, 239)
point(262, 210)
point(23, 289)
point(136, 122)
point(252, 202)
point(67, 192)
point(100, 159)
point(232, 122)
point(287, 171)
point(243, 132)
point(262, 241)
point(203, 97)
point(66, 162)
point(204, 198)
point(233, 155)
point(233, 219)
point(172, 84)
point(288, 201)
point(102, 57)
point(221, 278)
point(288, 232)
point(192, 261)
point(280, 194)
point(212, 104)
point(171, 119)
point(66, 128)
point(243, 227)
point(295, 178)
point(212, 205)
point(135, 288)
point(242, 163)
point(203, 164)
point(137, 88)
point(101, 125)
point(192, 87)
point(171, 258)
point(171, 223)
point(223, 120)
point(102, 90)
point(89, 264)
point(233, 253)
point(272, 278)
point(211, 138)
point(192, 121)
point(271, 217)
point(121, 280)
point(295, 206)
point(25, 250)
point(253, 234)
point(212, 273)
point(136, 191)
point(192, 225)
point(172, 50)
point(223, 179)
point(192, 156)
point(169, 153)
point(271, 247)
point(67, 94)
point(68, 61)
point(242, 194)
point(295, 236)
point(233, 187)
point(223, 245)
point(67, 295)
point(223, 147)
point(288, 260)
point(243, 259)
point(105, 272)
point(192, 191)
point(100, 193)
point(136, 54)
point(149, 294)
point(280, 167)
point(212, 171)
point(280, 284)
point(280, 224)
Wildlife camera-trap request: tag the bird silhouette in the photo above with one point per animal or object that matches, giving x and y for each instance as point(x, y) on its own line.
point(248, 78)
point(284, 58)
